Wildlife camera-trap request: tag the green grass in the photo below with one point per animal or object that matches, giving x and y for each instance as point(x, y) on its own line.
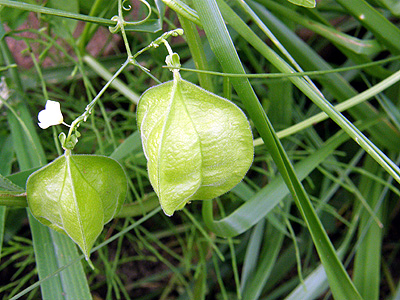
point(316, 216)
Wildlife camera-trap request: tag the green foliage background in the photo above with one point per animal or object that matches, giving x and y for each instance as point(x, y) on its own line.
point(316, 216)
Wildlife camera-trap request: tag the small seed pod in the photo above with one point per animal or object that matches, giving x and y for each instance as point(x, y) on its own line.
point(198, 145)
point(77, 195)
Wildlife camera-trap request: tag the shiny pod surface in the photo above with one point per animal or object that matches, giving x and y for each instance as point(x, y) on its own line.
point(77, 195)
point(197, 144)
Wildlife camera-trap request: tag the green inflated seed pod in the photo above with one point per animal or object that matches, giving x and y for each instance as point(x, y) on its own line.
point(198, 145)
point(77, 195)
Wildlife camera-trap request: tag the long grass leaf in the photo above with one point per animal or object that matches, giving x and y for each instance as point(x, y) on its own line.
point(148, 26)
point(6, 157)
point(382, 28)
point(106, 75)
point(312, 93)
point(384, 132)
point(46, 260)
point(367, 262)
point(21, 126)
point(2, 224)
point(359, 46)
point(316, 283)
point(272, 245)
point(257, 207)
point(356, 50)
point(66, 253)
point(129, 146)
point(224, 50)
point(197, 51)
point(252, 253)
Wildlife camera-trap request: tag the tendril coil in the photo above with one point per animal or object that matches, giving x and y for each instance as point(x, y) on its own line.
point(120, 18)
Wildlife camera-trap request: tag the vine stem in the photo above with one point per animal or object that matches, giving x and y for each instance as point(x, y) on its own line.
point(130, 60)
point(169, 61)
point(75, 124)
point(121, 25)
point(166, 44)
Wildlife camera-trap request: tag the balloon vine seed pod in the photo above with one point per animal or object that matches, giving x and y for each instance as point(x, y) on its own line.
point(77, 195)
point(198, 145)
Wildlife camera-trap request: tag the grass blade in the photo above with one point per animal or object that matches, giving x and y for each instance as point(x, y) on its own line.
point(367, 275)
point(30, 154)
point(312, 93)
point(147, 26)
point(384, 133)
point(356, 45)
point(252, 253)
point(258, 206)
point(6, 157)
point(129, 146)
point(2, 223)
point(382, 28)
point(273, 239)
point(66, 253)
point(225, 52)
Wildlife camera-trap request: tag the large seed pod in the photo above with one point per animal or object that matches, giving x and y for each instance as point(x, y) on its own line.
point(77, 195)
point(197, 144)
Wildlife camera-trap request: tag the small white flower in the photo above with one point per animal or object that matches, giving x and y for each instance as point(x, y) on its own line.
point(51, 115)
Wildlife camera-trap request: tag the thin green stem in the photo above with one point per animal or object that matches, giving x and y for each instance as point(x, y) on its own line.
point(46, 96)
point(5, 68)
point(362, 97)
point(118, 84)
point(295, 74)
point(56, 12)
point(89, 29)
point(204, 233)
point(13, 200)
point(157, 42)
point(183, 9)
point(197, 52)
point(169, 49)
point(79, 258)
point(25, 129)
point(121, 25)
point(89, 107)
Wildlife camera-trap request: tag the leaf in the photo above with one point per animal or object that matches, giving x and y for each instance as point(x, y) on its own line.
point(198, 145)
point(305, 3)
point(392, 5)
point(2, 225)
point(14, 18)
point(219, 38)
point(6, 154)
point(131, 144)
point(11, 194)
point(64, 27)
point(150, 25)
point(7, 185)
point(386, 32)
point(77, 195)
